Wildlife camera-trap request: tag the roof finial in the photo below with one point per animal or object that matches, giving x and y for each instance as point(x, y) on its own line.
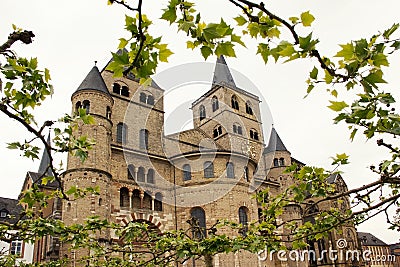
point(95, 62)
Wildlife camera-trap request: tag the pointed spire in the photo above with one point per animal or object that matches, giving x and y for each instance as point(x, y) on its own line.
point(93, 81)
point(222, 74)
point(45, 162)
point(275, 143)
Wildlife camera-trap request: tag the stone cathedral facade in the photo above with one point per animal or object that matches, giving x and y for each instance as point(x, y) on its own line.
point(210, 172)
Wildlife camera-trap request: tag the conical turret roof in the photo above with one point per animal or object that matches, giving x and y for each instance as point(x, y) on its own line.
point(222, 74)
point(275, 143)
point(93, 81)
point(45, 162)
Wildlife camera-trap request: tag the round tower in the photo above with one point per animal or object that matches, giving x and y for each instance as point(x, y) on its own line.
point(93, 96)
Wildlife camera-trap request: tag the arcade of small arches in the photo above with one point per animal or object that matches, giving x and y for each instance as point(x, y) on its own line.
point(139, 199)
point(139, 174)
point(85, 104)
point(208, 171)
point(279, 162)
point(123, 90)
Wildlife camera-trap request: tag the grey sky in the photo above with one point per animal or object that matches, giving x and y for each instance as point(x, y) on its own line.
point(71, 35)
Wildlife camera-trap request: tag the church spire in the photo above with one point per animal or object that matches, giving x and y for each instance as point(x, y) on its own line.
point(45, 162)
point(222, 74)
point(93, 81)
point(275, 143)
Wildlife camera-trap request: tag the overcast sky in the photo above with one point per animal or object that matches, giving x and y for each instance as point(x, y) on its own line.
point(71, 35)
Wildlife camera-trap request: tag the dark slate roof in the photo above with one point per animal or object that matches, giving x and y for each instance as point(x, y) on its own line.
point(332, 178)
point(45, 161)
point(37, 179)
point(93, 81)
point(368, 239)
point(222, 74)
point(12, 208)
point(275, 143)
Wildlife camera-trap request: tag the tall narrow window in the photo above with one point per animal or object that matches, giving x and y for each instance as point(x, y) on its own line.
point(253, 134)
point(124, 197)
point(136, 199)
point(158, 202)
point(202, 112)
point(217, 131)
point(243, 220)
point(121, 132)
point(208, 169)
point(239, 130)
point(147, 201)
point(140, 175)
point(230, 170)
point(198, 218)
point(234, 128)
point(249, 110)
point(125, 91)
point(246, 173)
point(234, 102)
point(142, 97)
point(150, 100)
point(108, 113)
point(187, 172)
point(276, 162)
point(131, 172)
point(78, 105)
point(116, 88)
point(150, 176)
point(144, 139)
point(281, 162)
point(86, 106)
point(215, 103)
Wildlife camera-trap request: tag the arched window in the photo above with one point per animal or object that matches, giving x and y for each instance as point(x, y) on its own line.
point(150, 100)
point(253, 134)
point(215, 103)
point(108, 113)
point(116, 88)
point(243, 220)
point(281, 162)
point(136, 199)
point(217, 131)
point(144, 139)
point(246, 173)
point(276, 162)
point(68, 207)
point(198, 218)
point(187, 172)
point(125, 91)
point(100, 201)
point(86, 106)
point(142, 97)
point(124, 197)
point(121, 132)
point(140, 174)
point(78, 105)
point(208, 169)
point(150, 176)
point(230, 170)
point(237, 129)
point(131, 172)
point(249, 110)
point(147, 201)
point(234, 102)
point(158, 202)
point(202, 112)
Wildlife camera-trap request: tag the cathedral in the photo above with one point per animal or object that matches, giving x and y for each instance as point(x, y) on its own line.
point(210, 172)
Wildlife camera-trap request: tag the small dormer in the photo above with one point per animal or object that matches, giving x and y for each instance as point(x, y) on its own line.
point(4, 213)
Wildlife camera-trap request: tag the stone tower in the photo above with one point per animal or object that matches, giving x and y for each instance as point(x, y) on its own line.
point(92, 96)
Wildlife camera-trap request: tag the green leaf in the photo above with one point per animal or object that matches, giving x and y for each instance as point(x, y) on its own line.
point(347, 51)
point(122, 43)
point(337, 106)
point(328, 77)
point(306, 18)
point(235, 38)
point(314, 73)
point(294, 20)
point(391, 30)
point(169, 15)
point(206, 51)
point(225, 49)
point(240, 20)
